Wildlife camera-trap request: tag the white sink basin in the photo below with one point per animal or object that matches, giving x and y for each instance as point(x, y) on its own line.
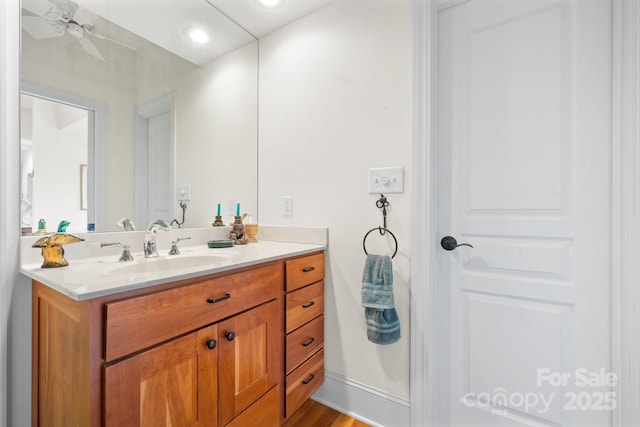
point(165, 264)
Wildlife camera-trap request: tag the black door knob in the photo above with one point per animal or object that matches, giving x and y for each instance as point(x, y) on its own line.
point(230, 335)
point(449, 243)
point(211, 344)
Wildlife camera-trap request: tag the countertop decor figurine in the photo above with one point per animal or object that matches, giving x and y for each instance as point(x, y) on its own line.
point(52, 250)
point(62, 227)
point(42, 228)
point(238, 234)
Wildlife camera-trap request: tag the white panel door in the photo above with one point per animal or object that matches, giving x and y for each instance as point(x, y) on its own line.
point(159, 168)
point(524, 151)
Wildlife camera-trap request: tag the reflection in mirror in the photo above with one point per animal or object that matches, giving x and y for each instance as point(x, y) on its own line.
point(174, 113)
point(54, 138)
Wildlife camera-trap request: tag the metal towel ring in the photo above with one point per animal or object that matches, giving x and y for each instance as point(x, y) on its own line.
point(382, 233)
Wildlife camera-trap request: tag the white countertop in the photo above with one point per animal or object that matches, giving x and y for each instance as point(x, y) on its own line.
point(94, 276)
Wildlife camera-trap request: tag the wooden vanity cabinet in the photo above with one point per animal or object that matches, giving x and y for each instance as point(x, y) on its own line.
point(304, 329)
point(205, 351)
point(203, 378)
point(162, 386)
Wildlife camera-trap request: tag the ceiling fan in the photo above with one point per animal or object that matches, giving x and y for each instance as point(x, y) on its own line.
point(44, 19)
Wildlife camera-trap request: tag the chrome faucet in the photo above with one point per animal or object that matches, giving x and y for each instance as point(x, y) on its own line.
point(149, 245)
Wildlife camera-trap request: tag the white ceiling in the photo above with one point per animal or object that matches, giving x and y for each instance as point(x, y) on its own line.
point(259, 20)
point(163, 21)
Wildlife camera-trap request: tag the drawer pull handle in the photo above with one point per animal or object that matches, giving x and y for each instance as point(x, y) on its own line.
point(309, 379)
point(309, 304)
point(308, 269)
point(308, 343)
point(211, 344)
point(230, 335)
point(215, 300)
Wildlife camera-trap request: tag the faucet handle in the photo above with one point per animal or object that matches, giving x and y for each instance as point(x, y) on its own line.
point(127, 224)
point(174, 245)
point(126, 250)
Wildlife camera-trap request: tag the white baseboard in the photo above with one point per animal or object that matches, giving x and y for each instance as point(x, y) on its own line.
point(363, 403)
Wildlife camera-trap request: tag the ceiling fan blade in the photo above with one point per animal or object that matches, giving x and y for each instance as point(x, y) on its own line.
point(90, 48)
point(83, 17)
point(66, 7)
point(37, 7)
point(39, 28)
point(26, 12)
point(101, 37)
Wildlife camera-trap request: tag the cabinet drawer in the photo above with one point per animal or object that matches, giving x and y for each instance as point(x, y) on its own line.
point(304, 381)
point(140, 322)
point(304, 304)
point(304, 271)
point(304, 341)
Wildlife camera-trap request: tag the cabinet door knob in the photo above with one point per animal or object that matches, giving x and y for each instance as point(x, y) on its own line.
point(310, 341)
point(211, 344)
point(230, 335)
point(309, 304)
point(309, 379)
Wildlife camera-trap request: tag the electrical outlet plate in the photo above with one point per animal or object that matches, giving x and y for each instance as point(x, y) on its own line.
point(232, 204)
point(386, 180)
point(183, 193)
point(287, 205)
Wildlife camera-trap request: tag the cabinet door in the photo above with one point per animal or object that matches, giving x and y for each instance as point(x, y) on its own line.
point(250, 364)
point(174, 384)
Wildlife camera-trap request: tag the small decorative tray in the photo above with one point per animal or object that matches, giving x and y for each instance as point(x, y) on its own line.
point(226, 243)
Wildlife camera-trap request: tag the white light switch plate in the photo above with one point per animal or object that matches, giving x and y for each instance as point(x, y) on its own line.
point(184, 193)
point(386, 180)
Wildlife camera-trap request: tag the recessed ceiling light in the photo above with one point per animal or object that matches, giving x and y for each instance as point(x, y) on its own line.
point(197, 34)
point(270, 3)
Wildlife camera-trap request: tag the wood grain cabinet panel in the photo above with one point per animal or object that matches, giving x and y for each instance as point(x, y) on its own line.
point(265, 412)
point(304, 270)
point(60, 361)
point(304, 381)
point(304, 341)
point(174, 384)
point(304, 304)
point(162, 356)
point(304, 329)
point(250, 358)
point(163, 315)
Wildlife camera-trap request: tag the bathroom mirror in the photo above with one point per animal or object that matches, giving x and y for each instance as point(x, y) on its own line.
point(157, 116)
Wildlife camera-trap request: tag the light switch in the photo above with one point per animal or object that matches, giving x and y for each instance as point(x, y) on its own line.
point(386, 180)
point(184, 193)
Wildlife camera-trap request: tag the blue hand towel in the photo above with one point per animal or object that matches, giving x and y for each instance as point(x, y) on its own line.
point(377, 282)
point(383, 324)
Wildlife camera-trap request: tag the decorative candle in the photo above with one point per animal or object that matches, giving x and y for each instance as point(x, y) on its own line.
point(238, 209)
point(218, 209)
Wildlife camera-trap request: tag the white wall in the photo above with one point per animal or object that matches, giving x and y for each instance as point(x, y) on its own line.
point(335, 100)
point(216, 110)
point(58, 151)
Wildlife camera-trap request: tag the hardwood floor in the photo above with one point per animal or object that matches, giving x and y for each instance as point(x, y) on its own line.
point(314, 414)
